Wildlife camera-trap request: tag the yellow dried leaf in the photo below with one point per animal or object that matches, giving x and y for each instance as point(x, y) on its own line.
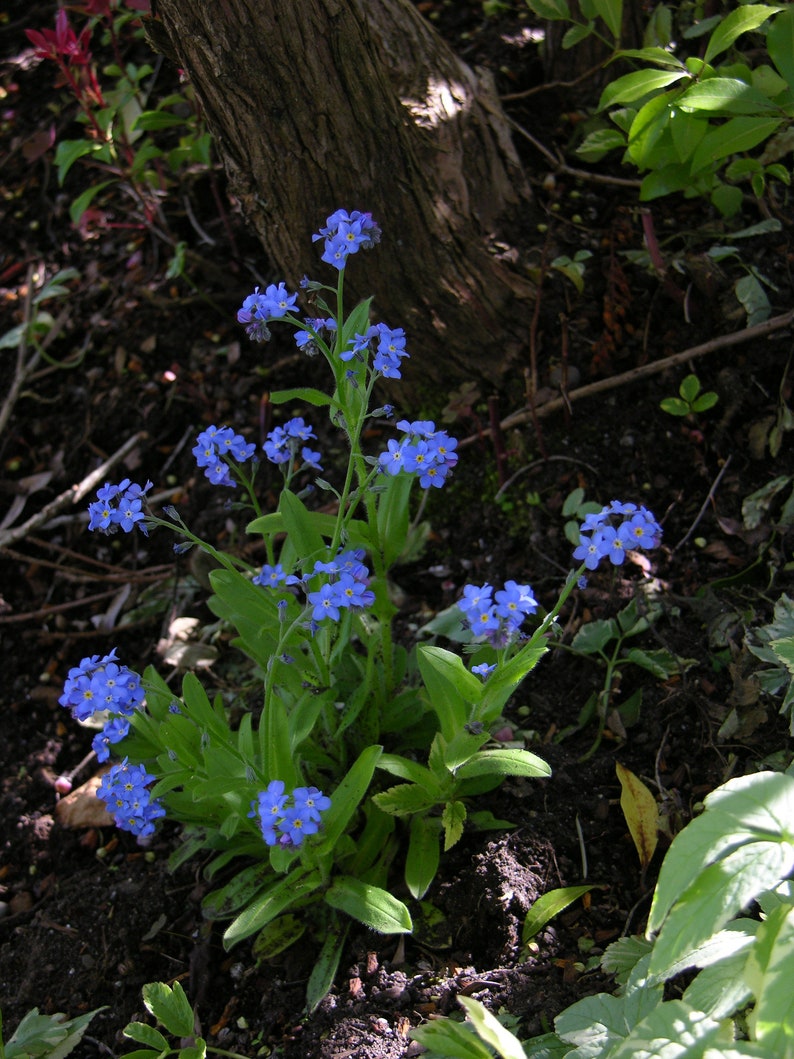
point(641, 813)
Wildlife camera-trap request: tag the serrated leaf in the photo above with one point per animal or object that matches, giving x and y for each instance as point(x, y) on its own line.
point(170, 1006)
point(404, 800)
point(452, 820)
point(145, 1034)
point(672, 1030)
point(768, 973)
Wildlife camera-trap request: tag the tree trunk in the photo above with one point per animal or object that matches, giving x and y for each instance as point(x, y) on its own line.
point(321, 104)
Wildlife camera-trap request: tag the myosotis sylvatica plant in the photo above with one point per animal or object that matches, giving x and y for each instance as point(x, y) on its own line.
point(297, 793)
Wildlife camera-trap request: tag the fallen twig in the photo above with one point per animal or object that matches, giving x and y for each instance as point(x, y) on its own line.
point(73, 495)
point(705, 504)
point(735, 338)
point(559, 166)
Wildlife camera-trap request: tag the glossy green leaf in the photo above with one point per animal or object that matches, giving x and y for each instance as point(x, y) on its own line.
point(780, 44)
point(490, 1030)
point(736, 135)
point(611, 11)
point(743, 20)
point(549, 905)
point(70, 151)
point(370, 905)
point(637, 85)
point(504, 763)
point(725, 95)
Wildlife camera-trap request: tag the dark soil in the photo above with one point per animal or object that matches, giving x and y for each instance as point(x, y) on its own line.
point(87, 916)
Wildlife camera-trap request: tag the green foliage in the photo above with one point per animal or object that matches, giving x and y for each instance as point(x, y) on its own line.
point(171, 1008)
point(131, 141)
point(691, 399)
point(604, 641)
point(737, 1000)
point(690, 121)
point(45, 1036)
point(574, 510)
point(773, 644)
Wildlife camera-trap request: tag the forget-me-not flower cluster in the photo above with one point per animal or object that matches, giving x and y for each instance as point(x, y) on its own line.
point(283, 443)
point(422, 450)
point(215, 443)
point(287, 824)
point(100, 685)
point(119, 507)
point(385, 344)
point(345, 234)
point(614, 531)
point(498, 617)
point(331, 587)
point(125, 792)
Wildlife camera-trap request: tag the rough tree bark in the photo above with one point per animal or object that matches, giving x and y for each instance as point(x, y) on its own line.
point(319, 104)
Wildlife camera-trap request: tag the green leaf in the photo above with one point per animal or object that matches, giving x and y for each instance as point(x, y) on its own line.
point(674, 406)
point(144, 1034)
point(304, 535)
point(278, 936)
point(69, 151)
point(452, 820)
point(53, 1036)
point(152, 120)
point(637, 85)
point(599, 143)
point(326, 964)
point(404, 800)
point(421, 861)
point(728, 200)
point(736, 135)
point(371, 905)
point(594, 635)
point(194, 1051)
point(705, 401)
point(550, 9)
point(659, 56)
point(406, 769)
point(689, 388)
point(272, 903)
point(503, 763)
point(768, 973)
point(576, 34)
point(754, 299)
point(649, 125)
point(238, 892)
point(547, 906)
point(452, 689)
point(780, 44)
point(726, 95)
point(665, 181)
point(348, 796)
point(611, 11)
point(672, 1030)
point(307, 394)
point(82, 202)
point(743, 20)
point(170, 1007)
point(490, 1030)
point(449, 1039)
